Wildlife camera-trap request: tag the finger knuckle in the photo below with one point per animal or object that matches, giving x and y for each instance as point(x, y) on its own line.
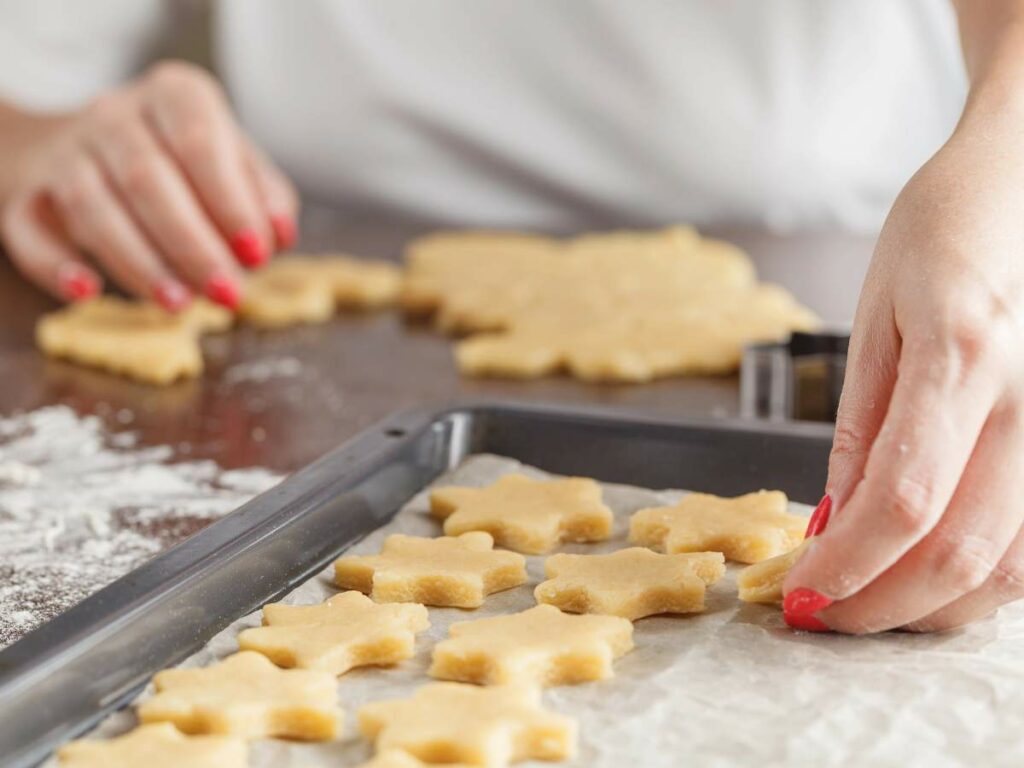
point(965, 563)
point(193, 144)
point(1008, 577)
point(910, 504)
point(140, 176)
point(74, 195)
point(107, 108)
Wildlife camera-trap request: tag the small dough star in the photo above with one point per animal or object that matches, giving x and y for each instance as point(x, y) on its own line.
point(529, 516)
point(450, 571)
point(540, 646)
point(347, 631)
point(631, 583)
point(747, 529)
point(246, 695)
point(491, 726)
point(396, 758)
point(160, 745)
point(762, 582)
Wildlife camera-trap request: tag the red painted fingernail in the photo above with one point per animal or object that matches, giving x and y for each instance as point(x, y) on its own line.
point(806, 623)
point(805, 602)
point(248, 248)
point(77, 283)
point(284, 230)
point(172, 295)
point(223, 290)
point(819, 519)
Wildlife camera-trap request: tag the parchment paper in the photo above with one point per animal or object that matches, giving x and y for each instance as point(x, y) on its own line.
point(730, 687)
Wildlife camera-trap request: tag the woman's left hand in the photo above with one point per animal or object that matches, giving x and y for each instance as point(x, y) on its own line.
point(928, 457)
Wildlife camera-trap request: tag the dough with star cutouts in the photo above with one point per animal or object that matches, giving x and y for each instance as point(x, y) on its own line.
point(159, 745)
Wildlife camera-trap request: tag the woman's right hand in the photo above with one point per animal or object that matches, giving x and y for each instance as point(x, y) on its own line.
point(153, 183)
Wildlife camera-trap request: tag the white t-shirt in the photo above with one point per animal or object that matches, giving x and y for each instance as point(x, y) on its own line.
point(550, 114)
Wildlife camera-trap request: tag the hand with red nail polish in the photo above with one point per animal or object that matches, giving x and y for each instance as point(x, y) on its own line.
point(224, 290)
point(285, 232)
point(155, 182)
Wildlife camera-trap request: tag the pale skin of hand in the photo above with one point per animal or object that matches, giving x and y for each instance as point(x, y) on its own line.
point(153, 184)
point(926, 530)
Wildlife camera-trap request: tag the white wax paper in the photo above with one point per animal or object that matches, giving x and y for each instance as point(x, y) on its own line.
point(729, 687)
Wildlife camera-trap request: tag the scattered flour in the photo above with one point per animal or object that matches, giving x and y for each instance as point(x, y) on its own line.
point(80, 506)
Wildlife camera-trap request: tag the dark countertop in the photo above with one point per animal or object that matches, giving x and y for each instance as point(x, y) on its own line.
point(357, 369)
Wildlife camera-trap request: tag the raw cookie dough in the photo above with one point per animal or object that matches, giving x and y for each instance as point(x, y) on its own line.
point(348, 630)
point(457, 571)
point(491, 726)
point(396, 758)
point(160, 745)
point(619, 306)
point(540, 646)
point(307, 289)
point(746, 529)
point(246, 695)
point(131, 338)
point(762, 582)
point(530, 516)
point(631, 583)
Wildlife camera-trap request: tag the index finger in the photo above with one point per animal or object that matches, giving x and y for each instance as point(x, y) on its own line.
point(938, 407)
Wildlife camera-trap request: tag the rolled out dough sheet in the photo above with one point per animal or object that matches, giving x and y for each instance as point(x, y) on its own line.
point(729, 687)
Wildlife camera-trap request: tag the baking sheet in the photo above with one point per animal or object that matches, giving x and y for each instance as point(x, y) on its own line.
point(732, 686)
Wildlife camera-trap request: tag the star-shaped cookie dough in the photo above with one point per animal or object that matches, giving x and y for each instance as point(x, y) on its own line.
point(530, 516)
point(540, 646)
point(762, 582)
point(396, 758)
point(246, 695)
point(307, 289)
point(453, 571)
point(349, 630)
point(631, 583)
point(134, 339)
point(491, 726)
point(160, 745)
point(747, 529)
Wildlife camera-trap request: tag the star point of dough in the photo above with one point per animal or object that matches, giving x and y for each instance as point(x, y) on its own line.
point(762, 582)
point(631, 583)
point(455, 722)
point(348, 630)
point(294, 290)
point(452, 571)
point(526, 515)
point(246, 695)
point(135, 339)
point(746, 529)
point(159, 745)
point(540, 646)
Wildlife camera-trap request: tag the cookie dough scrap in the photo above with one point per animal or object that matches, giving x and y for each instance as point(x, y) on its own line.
point(160, 745)
point(294, 290)
point(762, 582)
point(746, 529)
point(396, 758)
point(455, 722)
point(348, 630)
point(134, 339)
point(246, 695)
point(631, 583)
point(540, 646)
point(452, 571)
point(526, 515)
